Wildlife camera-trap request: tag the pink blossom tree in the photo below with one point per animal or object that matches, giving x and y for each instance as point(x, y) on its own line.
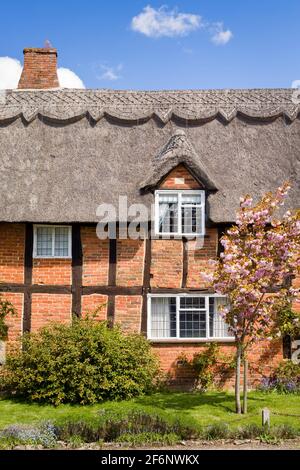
point(260, 255)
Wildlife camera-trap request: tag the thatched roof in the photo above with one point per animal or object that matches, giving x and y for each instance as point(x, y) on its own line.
point(64, 152)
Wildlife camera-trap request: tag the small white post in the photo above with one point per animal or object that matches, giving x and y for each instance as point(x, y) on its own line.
point(2, 352)
point(265, 418)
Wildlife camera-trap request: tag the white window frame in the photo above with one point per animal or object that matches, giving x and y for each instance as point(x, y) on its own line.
point(53, 227)
point(179, 193)
point(178, 339)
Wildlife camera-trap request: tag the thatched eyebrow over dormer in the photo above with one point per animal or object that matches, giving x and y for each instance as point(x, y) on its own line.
point(64, 152)
point(177, 151)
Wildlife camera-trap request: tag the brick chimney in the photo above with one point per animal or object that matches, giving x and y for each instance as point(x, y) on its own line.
point(40, 68)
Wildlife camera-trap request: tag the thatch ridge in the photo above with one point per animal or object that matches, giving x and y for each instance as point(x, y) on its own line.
point(127, 105)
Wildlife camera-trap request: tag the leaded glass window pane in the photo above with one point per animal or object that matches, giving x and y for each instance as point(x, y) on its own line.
point(61, 245)
point(192, 324)
point(44, 241)
point(192, 302)
point(168, 213)
point(191, 213)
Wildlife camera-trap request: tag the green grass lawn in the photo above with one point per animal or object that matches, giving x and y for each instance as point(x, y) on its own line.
point(193, 409)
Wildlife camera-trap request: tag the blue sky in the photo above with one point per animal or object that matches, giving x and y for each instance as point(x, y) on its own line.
point(186, 44)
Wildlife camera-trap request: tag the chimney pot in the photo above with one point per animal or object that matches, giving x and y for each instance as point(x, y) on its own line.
point(40, 68)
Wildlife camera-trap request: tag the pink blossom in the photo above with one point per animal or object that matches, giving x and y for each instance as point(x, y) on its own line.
point(256, 258)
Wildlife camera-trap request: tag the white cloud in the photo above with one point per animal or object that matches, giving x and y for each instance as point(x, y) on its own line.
point(10, 73)
point(69, 79)
point(161, 22)
point(296, 84)
point(11, 69)
point(110, 73)
point(155, 23)
point(220, 36)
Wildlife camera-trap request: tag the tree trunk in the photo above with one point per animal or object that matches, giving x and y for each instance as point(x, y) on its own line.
point(245, 387)
point(238, 379)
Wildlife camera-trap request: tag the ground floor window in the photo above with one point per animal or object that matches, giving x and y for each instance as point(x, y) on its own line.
point(186, 317)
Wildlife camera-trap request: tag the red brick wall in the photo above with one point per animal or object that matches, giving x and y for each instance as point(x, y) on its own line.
point(128, 312)
point(14, 322)
point(166, 263)
point(93, 302)
point(263, 357)
point(167, 259)
point(180, 172)
point(52, 271)
point(12, 237)
point(130, 262)
point(95, 258)
point(198, 258)
point(50, 308)
point(170, 356)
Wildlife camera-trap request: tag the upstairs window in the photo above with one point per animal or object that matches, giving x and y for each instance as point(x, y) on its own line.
point(180, 212)
point(52, 241)
point(187, 318)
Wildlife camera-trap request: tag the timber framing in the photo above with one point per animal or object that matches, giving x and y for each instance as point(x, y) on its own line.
point(77, 290)
point(76, 270)
point(112, 279)
point(185, 261)
point(28, 262)
point(287, 347)
point(89, 290)
point(146, 282)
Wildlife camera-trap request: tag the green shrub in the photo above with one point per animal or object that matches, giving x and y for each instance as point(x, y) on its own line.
point(6, 309)
point(269, 439)
point(284, 431)
point(207, 364)
point(85, 431)
point(249, 431)
point(216, 431)
point(132, 428)
point(284, 379)
point(75, 441)
point(113, 426)
point(85, 363)
point(287, 320)
point(288, 370)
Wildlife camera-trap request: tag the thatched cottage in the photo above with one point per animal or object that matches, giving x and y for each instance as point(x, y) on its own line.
point(185, 156)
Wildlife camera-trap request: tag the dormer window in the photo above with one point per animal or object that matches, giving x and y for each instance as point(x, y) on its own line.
point(180, 212)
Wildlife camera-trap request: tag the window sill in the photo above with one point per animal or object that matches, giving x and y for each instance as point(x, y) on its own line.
point(192, 340)
point(180, 236)
point(52, 257)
